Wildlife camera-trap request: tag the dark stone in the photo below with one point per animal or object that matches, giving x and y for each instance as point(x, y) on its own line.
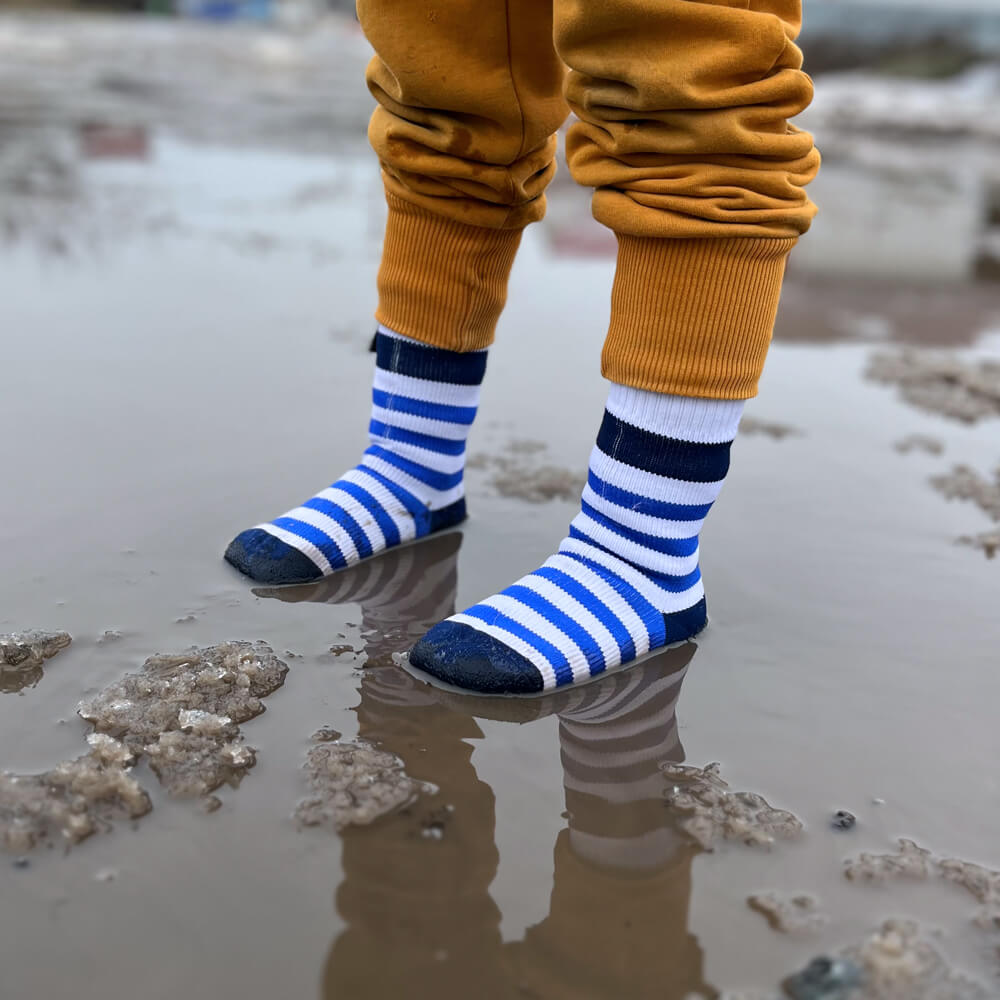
point(843, 820)
point(824, 979)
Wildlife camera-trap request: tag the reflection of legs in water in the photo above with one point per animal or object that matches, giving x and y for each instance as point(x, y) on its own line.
point(420, 921)
point(617, 925)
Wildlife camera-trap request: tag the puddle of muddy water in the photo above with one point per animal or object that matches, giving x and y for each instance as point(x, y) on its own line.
point(156, 383)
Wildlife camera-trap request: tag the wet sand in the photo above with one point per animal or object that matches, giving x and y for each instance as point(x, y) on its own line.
point(184, 329)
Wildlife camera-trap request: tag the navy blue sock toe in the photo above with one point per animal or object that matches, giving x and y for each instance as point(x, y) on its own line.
point(467, 658)
point(267, 559)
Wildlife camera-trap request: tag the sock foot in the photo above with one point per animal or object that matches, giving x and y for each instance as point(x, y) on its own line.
point(410, 481)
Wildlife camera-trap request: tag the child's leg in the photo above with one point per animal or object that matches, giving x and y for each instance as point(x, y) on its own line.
point(683, 132)
point(469, 98)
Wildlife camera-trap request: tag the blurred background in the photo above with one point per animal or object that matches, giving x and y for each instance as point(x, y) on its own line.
point(907, 115)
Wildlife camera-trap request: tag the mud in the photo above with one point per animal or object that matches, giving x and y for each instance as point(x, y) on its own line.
point(354, 784)
point(73, 800)
point(184, 712)
point(968, 391)
point(711, 812)
point(22, 655)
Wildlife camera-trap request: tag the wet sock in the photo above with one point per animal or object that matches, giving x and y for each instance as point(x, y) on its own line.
point(410, 480)
point(626, 579)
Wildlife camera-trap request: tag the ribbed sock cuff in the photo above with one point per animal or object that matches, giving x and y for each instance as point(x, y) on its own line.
point(693, 317)
point(442, 282)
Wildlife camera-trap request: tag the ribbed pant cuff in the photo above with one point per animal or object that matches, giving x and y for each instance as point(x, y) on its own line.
point(693, 317)
point(443, 282)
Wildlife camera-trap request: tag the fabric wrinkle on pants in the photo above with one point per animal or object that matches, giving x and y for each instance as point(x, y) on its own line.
point(681, 128)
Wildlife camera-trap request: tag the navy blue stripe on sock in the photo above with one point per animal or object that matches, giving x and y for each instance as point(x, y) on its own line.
point(668, 546)
point(664, 456)
point(431, 363)
point(419, 408)
point(338, 514)
point(442, 446)
point(644, 505)
point(429, 477)
point(414, 507)
point(323, 542)
point(651, 617)
point(596, 607)
point(386, 524)
point(558, 662)
point(562, 621)
point(672, 584)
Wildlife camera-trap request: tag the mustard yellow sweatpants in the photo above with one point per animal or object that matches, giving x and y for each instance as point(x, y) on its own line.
point(681, 127)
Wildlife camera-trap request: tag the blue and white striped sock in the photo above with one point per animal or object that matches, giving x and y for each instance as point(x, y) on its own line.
point(410, 480)
point(626, 580)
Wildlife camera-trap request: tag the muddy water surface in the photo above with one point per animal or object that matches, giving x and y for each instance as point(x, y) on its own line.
point(184, 333)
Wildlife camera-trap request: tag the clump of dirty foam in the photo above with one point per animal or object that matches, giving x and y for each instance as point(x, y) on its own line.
point(964, 390)
point(709, 811)
point(184, 712)
point(23, 653)
point(353, 783)
point(963, 483)
point(73, 800)
point(898, 963)
point(519, 471)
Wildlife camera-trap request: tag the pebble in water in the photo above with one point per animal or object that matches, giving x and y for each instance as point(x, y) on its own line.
point(843, 820)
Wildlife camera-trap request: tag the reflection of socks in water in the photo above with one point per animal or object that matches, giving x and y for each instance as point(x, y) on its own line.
point(618, 915)
point(400, 595)
point(612, 750)
point(410, 480)
point(626, 581)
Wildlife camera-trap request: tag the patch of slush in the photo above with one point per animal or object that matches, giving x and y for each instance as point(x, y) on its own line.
point(789, 914)
point(911, 861)
point(988, 542)
point(519, 472)
point(751, 425)
point(73, 800)
point(919, 442)
point(184, 712)
point(708, 811)
point(964, 390)
point(354, 784)
point(22, 655)
point(963, 483)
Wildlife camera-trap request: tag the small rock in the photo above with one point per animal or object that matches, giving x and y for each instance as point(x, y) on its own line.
point(210, 803)
point(106, 875)
point(843, 820)
point(21, 863)
point(824, 979)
